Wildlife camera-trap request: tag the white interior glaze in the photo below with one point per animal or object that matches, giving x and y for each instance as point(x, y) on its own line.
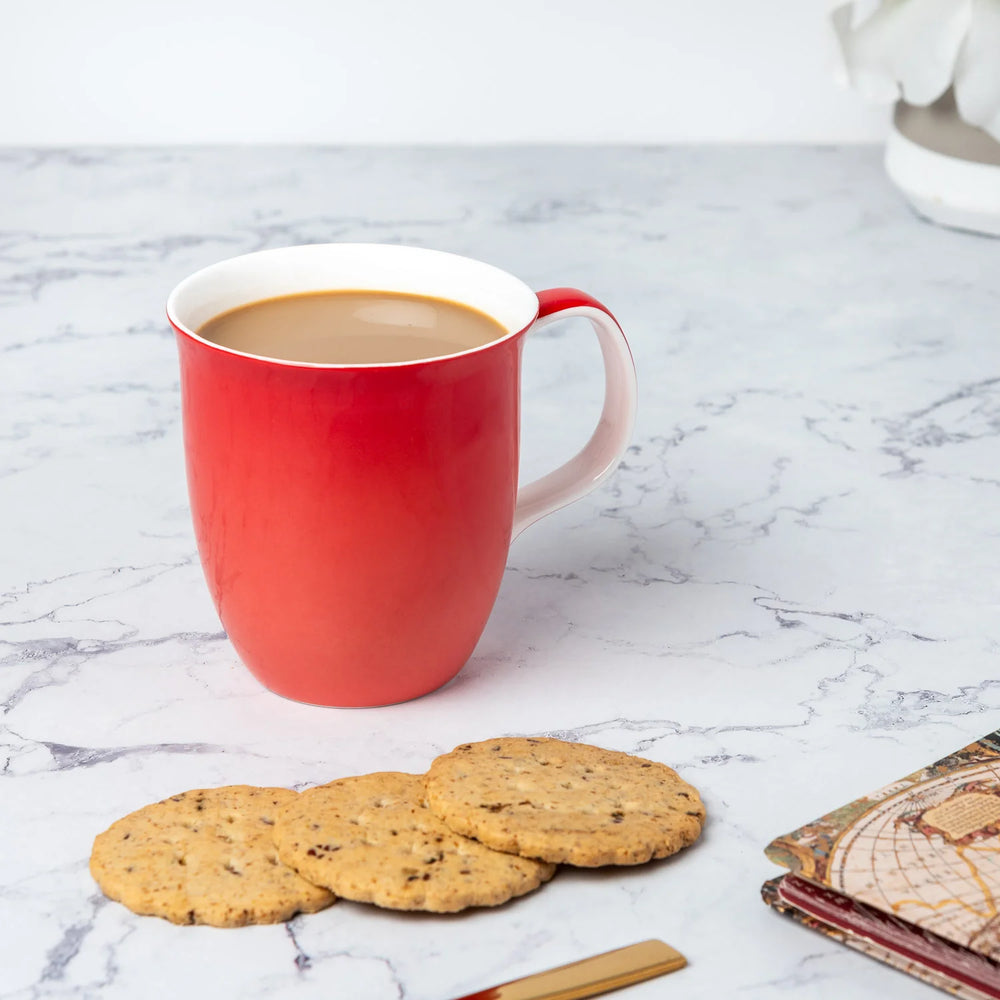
point(359, 266)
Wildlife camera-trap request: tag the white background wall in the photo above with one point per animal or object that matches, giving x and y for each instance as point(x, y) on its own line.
point(330, 71)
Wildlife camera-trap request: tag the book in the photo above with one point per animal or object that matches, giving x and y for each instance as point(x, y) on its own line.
point(909, 874)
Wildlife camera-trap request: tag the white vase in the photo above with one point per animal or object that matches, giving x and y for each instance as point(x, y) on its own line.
point(948, 170)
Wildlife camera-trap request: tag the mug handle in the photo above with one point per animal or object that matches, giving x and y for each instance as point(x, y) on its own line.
point(600, 455)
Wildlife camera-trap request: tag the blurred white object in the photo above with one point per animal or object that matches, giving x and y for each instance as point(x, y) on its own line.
point(940, 61)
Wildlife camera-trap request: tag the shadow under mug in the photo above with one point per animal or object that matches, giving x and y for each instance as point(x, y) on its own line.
point(353, 521)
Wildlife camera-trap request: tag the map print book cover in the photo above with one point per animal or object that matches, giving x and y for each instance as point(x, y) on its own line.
point(909, 874)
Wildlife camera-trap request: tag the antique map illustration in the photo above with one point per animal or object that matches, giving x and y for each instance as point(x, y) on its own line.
point(924, 851)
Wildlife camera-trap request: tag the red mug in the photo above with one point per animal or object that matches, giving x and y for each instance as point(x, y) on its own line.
point(353, 521)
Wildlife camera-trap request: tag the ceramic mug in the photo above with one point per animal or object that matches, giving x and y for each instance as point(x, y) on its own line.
point(353, 521)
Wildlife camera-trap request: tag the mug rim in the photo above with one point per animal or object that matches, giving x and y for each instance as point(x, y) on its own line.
point(204, 276)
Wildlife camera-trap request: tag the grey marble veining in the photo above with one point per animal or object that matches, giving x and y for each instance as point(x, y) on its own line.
point(788, 591)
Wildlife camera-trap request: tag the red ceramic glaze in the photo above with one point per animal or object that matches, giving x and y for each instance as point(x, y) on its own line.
point(555, 300)
point(353, 521)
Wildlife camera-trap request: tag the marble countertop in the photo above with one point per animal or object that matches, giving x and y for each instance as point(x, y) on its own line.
point(788, 591)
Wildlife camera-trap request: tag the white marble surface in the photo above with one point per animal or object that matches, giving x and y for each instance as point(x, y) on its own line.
point(788, 591)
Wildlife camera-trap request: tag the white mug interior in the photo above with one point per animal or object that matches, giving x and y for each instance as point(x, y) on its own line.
point(295, 270)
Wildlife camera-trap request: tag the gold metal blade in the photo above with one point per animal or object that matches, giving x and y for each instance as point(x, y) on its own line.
point(592, 976)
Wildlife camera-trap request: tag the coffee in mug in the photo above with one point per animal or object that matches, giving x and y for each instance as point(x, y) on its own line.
point(352, 328)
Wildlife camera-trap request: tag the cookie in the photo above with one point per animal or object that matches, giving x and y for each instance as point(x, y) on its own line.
point(568, 803)
point(204, 857)
point(371, 838)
